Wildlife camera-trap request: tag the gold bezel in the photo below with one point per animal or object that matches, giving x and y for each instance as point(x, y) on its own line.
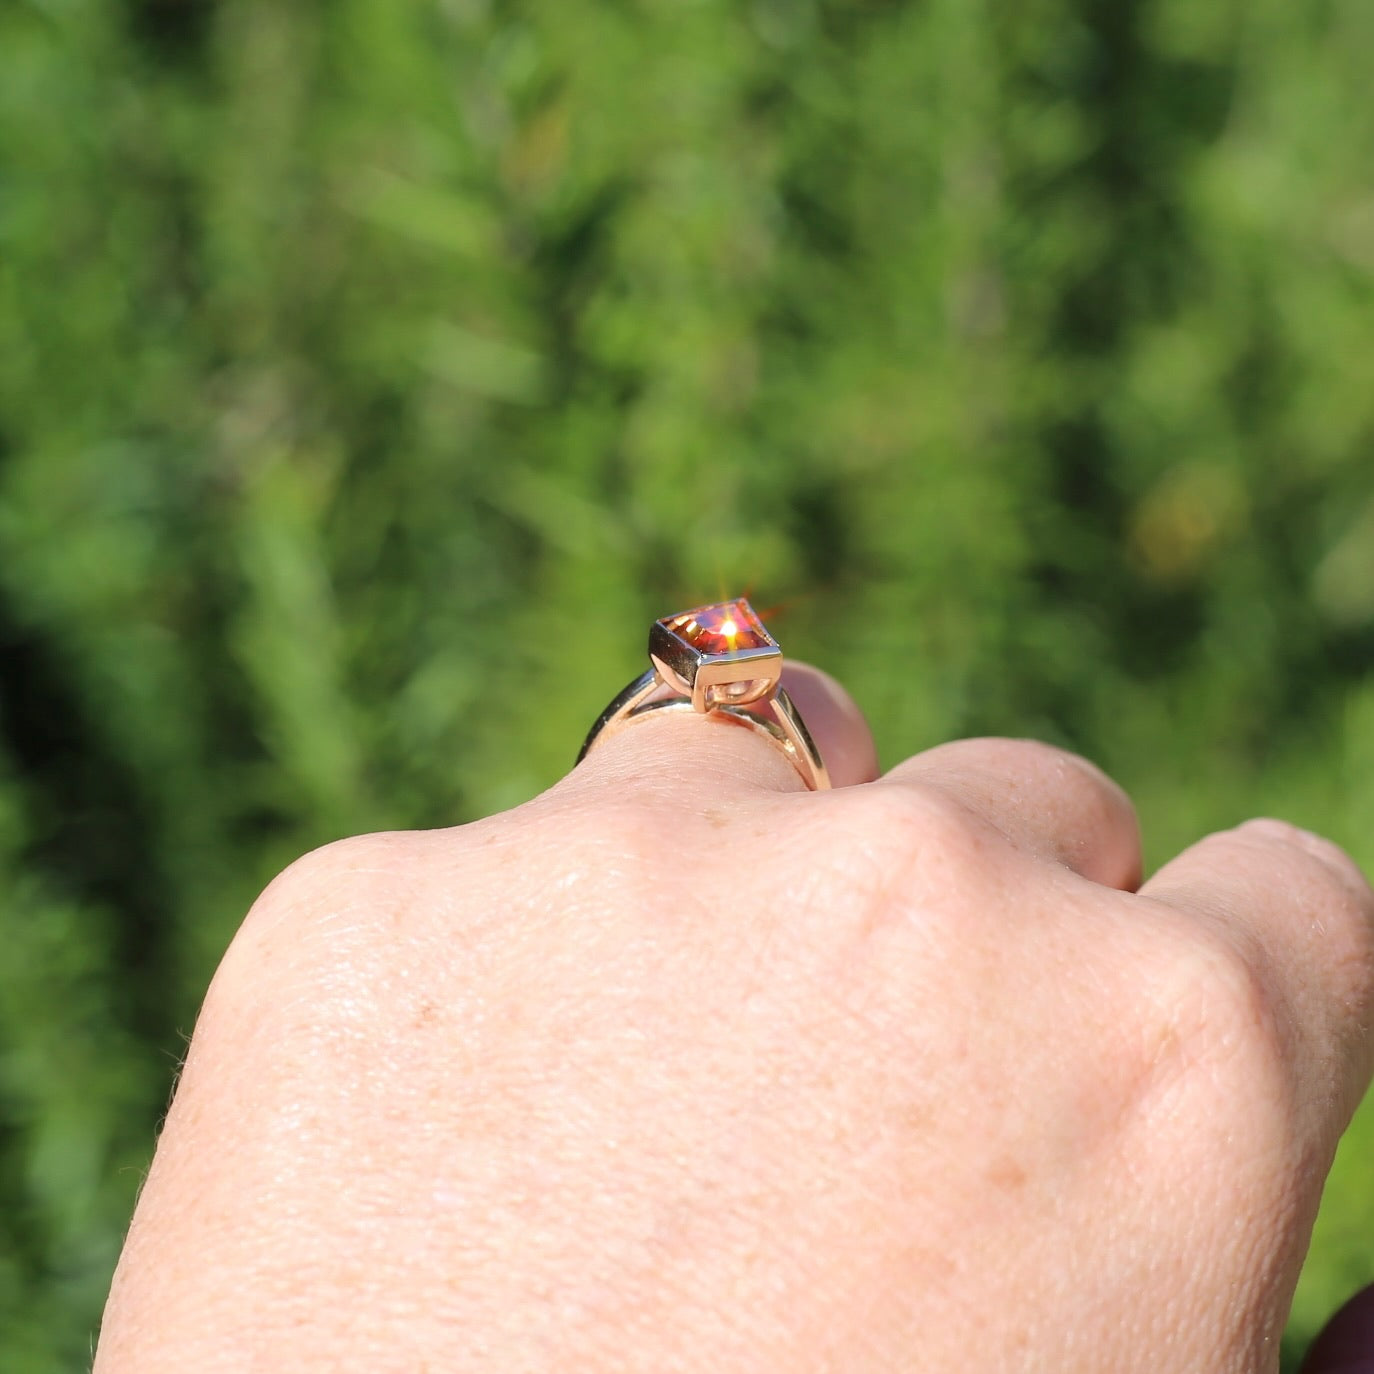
point(701, 675)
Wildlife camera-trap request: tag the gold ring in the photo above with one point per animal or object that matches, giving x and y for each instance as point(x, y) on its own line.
point(717, 660)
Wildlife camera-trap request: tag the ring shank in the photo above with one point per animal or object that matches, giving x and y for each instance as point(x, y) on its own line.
point(621, 708)
point(774, 716)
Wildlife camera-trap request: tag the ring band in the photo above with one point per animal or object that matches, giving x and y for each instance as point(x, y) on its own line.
point(717, 660)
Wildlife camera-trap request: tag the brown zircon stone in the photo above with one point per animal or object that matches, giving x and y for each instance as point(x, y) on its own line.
point(727, 627)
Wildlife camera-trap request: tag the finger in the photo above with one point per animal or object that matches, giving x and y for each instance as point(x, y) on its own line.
point(680, 750)
point(1299, 913)
point(1046, 801)
point(1346, 1344)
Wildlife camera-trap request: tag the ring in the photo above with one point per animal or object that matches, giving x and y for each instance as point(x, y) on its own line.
point(719, 661)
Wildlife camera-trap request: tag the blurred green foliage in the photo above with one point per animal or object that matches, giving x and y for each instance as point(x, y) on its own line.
point(349, 351)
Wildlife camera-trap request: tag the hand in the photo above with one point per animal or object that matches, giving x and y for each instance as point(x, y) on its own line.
point(679, 1068)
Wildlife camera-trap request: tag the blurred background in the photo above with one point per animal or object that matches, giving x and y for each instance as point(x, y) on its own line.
point(353, 355)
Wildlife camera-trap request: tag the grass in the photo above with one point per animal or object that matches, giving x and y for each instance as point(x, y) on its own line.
point(1022, 355)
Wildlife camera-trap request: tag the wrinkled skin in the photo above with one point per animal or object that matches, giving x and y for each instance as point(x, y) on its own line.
point(681, 1068)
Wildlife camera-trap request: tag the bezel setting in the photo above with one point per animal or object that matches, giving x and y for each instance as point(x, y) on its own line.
point(681, 648)
point(720, 662)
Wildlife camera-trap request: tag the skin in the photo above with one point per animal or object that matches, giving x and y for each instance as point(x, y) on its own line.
point(679, 1067)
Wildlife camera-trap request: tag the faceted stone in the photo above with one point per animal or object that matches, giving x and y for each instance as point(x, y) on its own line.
point(724, 628)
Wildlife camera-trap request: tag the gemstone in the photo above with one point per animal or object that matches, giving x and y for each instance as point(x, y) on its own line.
point(725, 628)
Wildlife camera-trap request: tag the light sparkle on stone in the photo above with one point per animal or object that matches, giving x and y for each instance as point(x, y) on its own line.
point(727, 627)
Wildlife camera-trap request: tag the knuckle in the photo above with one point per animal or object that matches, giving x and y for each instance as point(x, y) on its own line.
point(304, 998)
point(1330, 896)
point(316, 929)
point(909, 847)
point(1212, 1033)
point(921, 824)
point(1227, 1005)
point(1313, 912)
point(1310, 866)
point(1038, 757)
point(348, 871)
